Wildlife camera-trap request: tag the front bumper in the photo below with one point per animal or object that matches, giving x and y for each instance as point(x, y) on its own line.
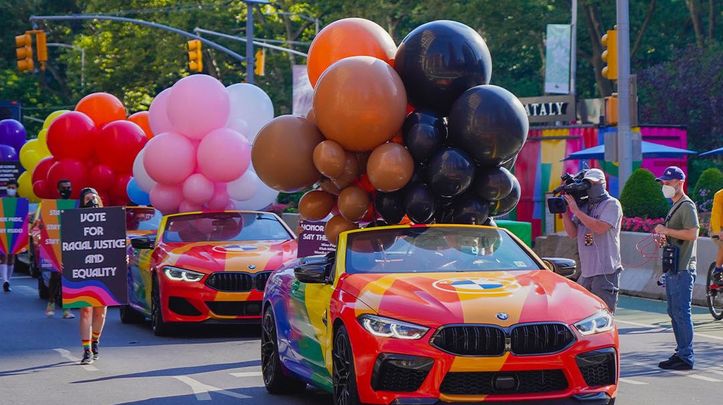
point(585, 399)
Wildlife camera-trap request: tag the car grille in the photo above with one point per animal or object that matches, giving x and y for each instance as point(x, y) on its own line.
point(230, 281)
point(400, 373)
point(260, 280)
point(598, 367)
point(235, 308)
point(525, 339)
point(520, 382)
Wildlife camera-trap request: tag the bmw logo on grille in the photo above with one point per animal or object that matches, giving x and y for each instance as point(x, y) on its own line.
point(502, 316)
point(252, 266)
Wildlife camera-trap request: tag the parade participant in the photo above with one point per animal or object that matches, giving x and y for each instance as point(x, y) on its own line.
point(65, 189)
point(679, 234)
point(7, 262)
point(596, 225)
point(92, 319)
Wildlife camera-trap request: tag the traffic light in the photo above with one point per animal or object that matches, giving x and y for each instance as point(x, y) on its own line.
point(41, 44)
point(24, 52)
point(260, 62)
point(609, 41)
point(611, 109)
point(195, 56)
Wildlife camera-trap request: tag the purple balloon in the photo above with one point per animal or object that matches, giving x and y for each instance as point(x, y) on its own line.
point(8, 154)
point(12, 133)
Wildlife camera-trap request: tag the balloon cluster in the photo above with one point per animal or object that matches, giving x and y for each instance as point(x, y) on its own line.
point(414, 131)
point(12, 144)
point(199, 156)
point(94, 145)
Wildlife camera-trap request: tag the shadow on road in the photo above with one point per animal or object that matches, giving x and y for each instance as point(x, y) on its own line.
point(254, 394)
point(31, 370)
point(172, 372)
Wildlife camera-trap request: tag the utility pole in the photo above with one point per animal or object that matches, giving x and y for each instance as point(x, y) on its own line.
point(624, 141)
point(573, 48)
point(250, 38)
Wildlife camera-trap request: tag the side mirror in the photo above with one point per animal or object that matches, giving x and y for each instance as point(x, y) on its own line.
point(313, 269)
point(562, 266)
point(142, 243)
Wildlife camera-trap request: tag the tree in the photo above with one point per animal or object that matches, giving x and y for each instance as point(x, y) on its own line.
point(641, 196)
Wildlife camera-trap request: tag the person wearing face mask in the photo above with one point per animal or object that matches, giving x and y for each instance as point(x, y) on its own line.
point(65, 189)
point(7, 262)
point(679, 234)
point(596, 226)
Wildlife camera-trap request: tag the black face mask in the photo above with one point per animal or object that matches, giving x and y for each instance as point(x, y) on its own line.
point(91, 204)
point(65, 194)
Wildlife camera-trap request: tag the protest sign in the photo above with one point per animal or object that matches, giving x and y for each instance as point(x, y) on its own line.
point(13, 225)
point(49, 245)
point(312, 240)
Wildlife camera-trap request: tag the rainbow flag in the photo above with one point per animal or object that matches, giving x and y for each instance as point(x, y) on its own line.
point(13, 225)
point(50, 232)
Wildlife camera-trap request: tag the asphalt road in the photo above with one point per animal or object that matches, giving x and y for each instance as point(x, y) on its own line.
point(39, 360)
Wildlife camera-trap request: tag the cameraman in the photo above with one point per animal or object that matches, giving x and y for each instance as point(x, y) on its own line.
point(596, 225)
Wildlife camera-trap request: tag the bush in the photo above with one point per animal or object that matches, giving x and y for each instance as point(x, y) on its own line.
point(708, 184)
point(636, 224)
point(641, 196)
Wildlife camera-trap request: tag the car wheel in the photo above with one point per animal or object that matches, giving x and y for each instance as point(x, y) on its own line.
point(43, 292)
point(160, 327)
point(344, 377)
point(276, 380)
point(130, 315)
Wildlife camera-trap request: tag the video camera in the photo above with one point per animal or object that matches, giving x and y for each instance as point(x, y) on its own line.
point(571, 185)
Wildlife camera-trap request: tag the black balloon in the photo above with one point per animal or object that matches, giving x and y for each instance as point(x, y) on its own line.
point(424, 133)
point(470, 209)
point(390, 206)
point(450, 172)
point(507, 204)
point(509, 164)
point(419, 203)
point(493, 184)
point(439, 60)
point(489, 123)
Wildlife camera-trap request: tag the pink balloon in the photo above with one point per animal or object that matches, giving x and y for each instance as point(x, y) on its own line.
point(158, 115)
point(166, 198)
point(223, 155)
point(219, 201)
point(187, 206)
point(197, 189)
point(198, 104)
point(169, 158)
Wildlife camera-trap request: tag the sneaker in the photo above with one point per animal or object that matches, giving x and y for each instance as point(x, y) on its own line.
point(50, 310)
point(6, 287)
point(87, 357)
point(67, 314)
point(675, 363)
point(94, 350)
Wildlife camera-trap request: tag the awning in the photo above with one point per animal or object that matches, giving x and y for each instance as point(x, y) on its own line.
point(718, 151)
point(649, 150)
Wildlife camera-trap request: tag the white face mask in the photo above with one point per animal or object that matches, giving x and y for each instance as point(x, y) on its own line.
point(11, 192)
point(668, 191)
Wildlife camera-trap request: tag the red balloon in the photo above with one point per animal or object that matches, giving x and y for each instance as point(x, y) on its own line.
point(101, 177)
point(40, 189)
point(67, 169)
point(118, 144)
point(41, 170)
point(105, 198)
point(120, 188)
point(70, 136)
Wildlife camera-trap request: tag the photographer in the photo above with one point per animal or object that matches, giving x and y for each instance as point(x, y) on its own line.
point(596, 225)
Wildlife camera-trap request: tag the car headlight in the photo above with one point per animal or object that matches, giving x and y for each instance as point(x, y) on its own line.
point(387, 327)
point(179, 274)
point(601, 321)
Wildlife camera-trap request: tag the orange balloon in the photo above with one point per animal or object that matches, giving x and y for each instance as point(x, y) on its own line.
point(329, 158)
point(348, 37)
point(316, 205)
point(337, 225)
point(360, 102)
point(311, 116)
point(390, 167)
point(102, 108)
point(353, 203)
point(350, 173)
point(142, 119)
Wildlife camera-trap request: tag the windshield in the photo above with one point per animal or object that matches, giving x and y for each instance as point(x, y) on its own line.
point(142, 219)
point(224, 227)
point(435, 249)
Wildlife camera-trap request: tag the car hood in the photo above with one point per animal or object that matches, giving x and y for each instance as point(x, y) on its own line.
point(248, 256)
point(501, 298)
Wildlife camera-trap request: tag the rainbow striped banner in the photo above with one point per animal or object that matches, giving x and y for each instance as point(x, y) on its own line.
point(13, 225)
point(50, 231)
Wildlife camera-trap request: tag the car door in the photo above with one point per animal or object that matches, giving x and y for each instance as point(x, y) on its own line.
point(139, 278)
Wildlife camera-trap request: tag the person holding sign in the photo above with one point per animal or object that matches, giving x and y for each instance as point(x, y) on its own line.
point(7, 262)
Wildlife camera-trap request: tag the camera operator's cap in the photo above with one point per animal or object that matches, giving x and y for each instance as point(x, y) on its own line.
point(672, 173)
point(595, 176)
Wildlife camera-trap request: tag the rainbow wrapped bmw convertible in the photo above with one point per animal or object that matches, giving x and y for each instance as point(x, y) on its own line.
point(436, 314)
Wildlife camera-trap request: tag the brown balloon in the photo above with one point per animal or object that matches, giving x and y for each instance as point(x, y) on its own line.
point(329, 186)
point(351, 172)
point(283, 153)
point(390, 167)
point(311, 116)
point(329, 158)
point(360, 102)
point(337, 225)
point(353, 203)
point(316, 205)
point(362, 158)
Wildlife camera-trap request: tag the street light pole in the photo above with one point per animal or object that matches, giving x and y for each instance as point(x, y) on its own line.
point(625, 142)
point(573, 48)
point(250, 38)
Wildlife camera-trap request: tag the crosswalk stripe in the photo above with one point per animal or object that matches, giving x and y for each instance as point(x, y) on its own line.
point(247, 374)
point(66, 355)
point(633, 382)
point(682, 373)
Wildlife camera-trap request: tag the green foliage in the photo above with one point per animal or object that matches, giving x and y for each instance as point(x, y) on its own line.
point(708, 184)
point(696, 167)
point(642, 197)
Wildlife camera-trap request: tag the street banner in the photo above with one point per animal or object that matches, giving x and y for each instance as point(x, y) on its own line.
point(302, 93)
point(95, 267)
point(312, 240)
point(13, 225)
point(557, 59)
point(9, 171)
point(49, 247)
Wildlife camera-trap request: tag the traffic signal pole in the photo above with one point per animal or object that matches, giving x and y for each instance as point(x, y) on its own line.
point(624, 141)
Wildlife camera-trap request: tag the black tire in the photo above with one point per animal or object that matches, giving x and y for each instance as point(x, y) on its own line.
point(343, 375)
point(276, 378)
point(129, 315)
point(159, 326)
point(43, 291)
point(713, 295)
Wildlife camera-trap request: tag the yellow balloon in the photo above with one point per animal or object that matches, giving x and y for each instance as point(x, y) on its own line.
point(25, 187)
point(31, 154)
point(51, 117)
point(43, 136)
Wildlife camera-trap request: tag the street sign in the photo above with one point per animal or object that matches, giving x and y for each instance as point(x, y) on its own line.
point(549, 108)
